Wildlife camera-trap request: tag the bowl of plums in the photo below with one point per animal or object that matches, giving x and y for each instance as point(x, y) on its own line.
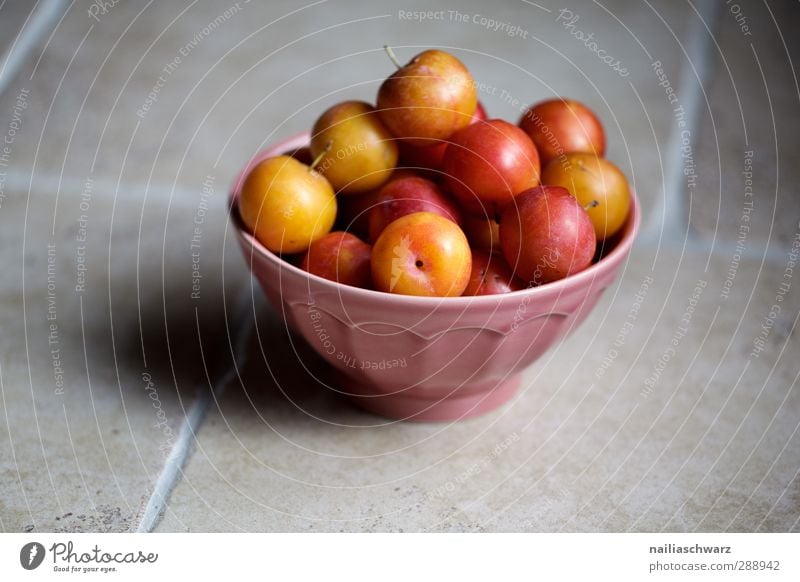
point(428, 252)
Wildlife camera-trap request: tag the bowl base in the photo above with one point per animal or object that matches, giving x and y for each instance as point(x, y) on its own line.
point(411, 408)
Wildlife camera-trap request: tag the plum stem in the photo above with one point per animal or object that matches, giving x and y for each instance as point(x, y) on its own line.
point(591, 204)
point(321, 155)
point(392, 56)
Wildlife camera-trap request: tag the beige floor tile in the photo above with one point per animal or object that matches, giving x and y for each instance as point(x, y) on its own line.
point(96, 381)
point(13, 15)
point(752, 105)
point(260, 72)
point(602, 437)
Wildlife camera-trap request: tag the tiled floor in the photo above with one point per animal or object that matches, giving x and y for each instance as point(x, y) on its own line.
point(600, 438)
point(587, 447)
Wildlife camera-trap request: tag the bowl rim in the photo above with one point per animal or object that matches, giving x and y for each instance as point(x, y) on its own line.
point(605, 264)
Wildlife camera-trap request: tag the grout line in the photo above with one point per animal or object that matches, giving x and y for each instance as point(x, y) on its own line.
point(670, 218)
point(44, 17)
point(173, 467)
point(100, 186)
point(760, 250)
point(182, 195)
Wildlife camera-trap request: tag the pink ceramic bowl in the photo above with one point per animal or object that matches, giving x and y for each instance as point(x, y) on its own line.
point(425, 358)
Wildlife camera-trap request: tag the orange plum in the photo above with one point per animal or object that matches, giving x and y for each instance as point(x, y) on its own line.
point(422, 254)
point(356, 152)
point(428, 99)
point(599, 186)
point(286, 204)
